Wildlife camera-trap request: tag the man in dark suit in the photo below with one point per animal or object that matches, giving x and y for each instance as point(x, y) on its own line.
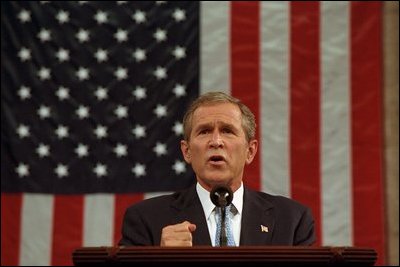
point(219, 140)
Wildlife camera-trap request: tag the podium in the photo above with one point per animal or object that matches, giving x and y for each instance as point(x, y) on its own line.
point(226, 256)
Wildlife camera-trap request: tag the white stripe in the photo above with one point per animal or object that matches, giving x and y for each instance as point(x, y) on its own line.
point(274, 122)
point(335, 117)
point(214, 46)
point(36, 229)
point(98, 220)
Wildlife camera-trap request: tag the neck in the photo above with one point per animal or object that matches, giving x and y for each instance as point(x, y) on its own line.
point(209, 186)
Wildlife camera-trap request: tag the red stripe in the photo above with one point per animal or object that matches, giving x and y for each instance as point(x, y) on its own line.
point(366, 116)
point(67, 228)
point(122, 202)
point(305, 107)
point(10, 228)
point(245, 69)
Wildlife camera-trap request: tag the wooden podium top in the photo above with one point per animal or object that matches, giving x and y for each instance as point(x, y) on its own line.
point(232, 256)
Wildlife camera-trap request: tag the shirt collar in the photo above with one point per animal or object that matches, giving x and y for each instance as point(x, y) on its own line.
point(208, 206)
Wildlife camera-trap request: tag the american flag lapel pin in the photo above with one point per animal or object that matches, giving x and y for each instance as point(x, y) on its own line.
point(264, 228)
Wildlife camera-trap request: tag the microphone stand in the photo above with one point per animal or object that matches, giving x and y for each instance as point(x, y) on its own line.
point(223, 240)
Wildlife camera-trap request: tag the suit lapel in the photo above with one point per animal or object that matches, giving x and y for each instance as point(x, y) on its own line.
point(189, 208)
point(258, 220)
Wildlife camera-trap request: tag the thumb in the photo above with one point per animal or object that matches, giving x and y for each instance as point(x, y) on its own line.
point(190, 226)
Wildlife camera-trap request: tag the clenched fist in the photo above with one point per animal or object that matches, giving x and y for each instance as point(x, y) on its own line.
point(177, 235)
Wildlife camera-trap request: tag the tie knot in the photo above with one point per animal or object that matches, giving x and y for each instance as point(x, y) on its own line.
point(230, 211)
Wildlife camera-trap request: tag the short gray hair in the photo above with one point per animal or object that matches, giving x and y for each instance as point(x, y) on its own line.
point(248, 119)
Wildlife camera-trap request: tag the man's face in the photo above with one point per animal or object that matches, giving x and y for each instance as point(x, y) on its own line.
point(218, 149)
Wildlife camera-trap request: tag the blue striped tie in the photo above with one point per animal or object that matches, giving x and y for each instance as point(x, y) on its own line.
point(229, 234)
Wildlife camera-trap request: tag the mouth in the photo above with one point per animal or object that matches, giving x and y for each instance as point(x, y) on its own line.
point(216, 159)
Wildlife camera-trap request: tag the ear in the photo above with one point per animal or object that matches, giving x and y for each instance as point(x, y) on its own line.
point(186, 151)
point(252, 151)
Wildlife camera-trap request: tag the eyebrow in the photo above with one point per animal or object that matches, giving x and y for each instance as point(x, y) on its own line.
point(209, 125)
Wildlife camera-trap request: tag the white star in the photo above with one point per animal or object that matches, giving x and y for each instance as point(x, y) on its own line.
point(62, 16)
point(100, 131)
point(101, 55)
point(43, 112)
point(160, 35)
point(81, 150)
point(24, 16)
point(139, 131)
point(160, 111)
point(179, 15)
point(179, 167)
point(82, 112)
point(160, 2)
point(178, 128)
point(61, 170)
point(139, 170)
point(82, 73)
point(139, 16)
point(83, 35)
point(82, 2)
point(44, 35)
point(23, 131)
point(121, 35)
point(44, 73)
point(62, 55)
point(43, 150)
point(121, 2)
point(179, 90)
point(24, 54)
point(120, 150)
point(179, 52)
point(100, 170)
point(160, 149)
point(101, 93)
point(139, 93)
point(121, 112)
point(139, 55)
point(160, 73)
point(62, 93)
point(24, 92)
point(121, 73)
point(62, 131)
point(22, 170)
point(101, 17)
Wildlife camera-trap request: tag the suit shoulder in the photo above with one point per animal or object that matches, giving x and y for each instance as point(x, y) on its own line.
point(281, 201)
point(153, 202)
point(158, 202)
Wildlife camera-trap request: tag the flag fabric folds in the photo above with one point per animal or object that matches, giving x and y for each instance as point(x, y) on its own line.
point(93, 95)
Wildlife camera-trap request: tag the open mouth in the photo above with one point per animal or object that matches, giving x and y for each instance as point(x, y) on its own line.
point(216, 159)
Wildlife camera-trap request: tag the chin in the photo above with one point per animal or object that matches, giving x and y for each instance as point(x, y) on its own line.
point(217, 180)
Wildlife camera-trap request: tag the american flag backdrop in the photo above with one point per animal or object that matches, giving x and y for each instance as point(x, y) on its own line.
point(93, 94)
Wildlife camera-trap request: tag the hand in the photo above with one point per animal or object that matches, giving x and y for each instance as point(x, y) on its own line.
point(177, 235)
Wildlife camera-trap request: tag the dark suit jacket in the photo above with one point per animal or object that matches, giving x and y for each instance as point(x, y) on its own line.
point(288, 222)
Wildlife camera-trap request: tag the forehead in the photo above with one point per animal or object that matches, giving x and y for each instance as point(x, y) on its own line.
point(220, 112)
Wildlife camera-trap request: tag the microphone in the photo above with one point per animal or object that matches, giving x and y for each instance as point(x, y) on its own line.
point(222, 196)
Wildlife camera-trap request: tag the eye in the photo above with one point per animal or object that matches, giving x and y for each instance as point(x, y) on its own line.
point(204, 131)
point(227, 130)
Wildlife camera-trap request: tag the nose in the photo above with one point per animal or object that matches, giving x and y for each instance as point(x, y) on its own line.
point(216, 140)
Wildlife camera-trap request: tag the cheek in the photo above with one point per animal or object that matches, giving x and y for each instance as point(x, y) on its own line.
point(242, 154)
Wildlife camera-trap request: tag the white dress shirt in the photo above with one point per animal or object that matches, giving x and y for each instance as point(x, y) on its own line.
point(211, 216)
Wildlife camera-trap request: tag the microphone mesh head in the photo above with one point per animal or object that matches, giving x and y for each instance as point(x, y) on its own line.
point(221, 196)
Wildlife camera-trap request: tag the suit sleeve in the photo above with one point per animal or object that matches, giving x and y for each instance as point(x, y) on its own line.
point(135, 232)
point(305, 231)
